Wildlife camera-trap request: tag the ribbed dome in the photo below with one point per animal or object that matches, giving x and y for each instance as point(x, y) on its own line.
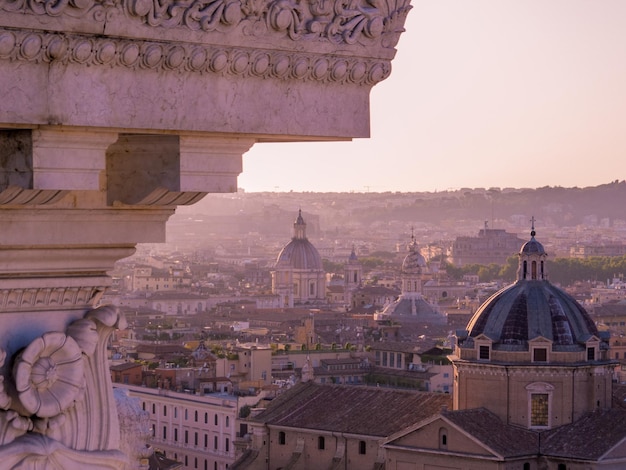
point(529, 309)
point(532, 246)
point(299, 254)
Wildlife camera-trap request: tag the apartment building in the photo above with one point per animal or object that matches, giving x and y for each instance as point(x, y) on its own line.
point(198, 431)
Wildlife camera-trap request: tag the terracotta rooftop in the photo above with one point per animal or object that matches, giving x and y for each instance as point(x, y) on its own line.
point(351, 409)
point(506, 440)
point(589, 438)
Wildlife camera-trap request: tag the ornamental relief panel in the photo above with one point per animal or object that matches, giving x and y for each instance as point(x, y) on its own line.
point(187, 58)
point(367, 22)
point(50, 398)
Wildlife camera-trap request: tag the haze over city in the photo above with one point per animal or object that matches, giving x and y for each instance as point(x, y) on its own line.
point(481, 93)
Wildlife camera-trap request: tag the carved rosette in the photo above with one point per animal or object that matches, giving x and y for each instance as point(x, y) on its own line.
point(55, 399)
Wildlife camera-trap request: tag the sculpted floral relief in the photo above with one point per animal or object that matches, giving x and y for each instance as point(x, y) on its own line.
point(49, 375)
point(47, 381)
point(338, 21)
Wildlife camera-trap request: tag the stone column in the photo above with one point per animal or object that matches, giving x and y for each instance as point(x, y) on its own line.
point(73, 202)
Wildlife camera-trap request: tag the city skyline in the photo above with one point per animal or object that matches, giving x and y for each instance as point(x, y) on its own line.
point(482, 94)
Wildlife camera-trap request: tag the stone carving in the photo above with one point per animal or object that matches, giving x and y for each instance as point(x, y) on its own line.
point(54, 406)
point(67, 48)
point(337, 21)
point(29, 298)
point(49, 375)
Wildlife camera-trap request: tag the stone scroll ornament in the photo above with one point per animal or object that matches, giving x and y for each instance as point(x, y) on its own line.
point(366, 22)
point(53, 414)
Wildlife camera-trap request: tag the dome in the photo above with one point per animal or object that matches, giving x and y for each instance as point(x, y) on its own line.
point(532, 246)
point(299, 254)
point(414, 261)
point(530, 309)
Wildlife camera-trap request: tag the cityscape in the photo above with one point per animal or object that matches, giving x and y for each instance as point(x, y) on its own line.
point(249, 329)
point(312, 235)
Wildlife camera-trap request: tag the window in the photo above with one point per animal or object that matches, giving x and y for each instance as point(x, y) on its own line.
point(175, 412)
point(281, 438)
point(321, 442)
point(186, 437)
point(175, 434)
point(227, 421)
point(227, 444)
point(443, 438)
point(164, 432)
point(562, 466)
point(206, 418)
point(195, 416)
point(164, 410)
point(484, 353)
point(540, 355)
point(215, 442)
point(143, 406)
point(216, 420)
point(526, 466)
point(539, 409)
point(153, 408)
point(195, 438)
point(591, 354)
point(362, 447)
point(384, 359)
point(206, 440)
point(392, 359)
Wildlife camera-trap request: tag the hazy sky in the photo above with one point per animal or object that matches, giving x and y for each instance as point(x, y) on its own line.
point(507, 93)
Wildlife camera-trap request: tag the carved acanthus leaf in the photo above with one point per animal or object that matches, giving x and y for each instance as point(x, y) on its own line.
point(339, 21)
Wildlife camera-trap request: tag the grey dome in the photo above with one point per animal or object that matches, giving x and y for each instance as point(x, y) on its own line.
point(529, 309)
point(299, 254)
point(532, 246)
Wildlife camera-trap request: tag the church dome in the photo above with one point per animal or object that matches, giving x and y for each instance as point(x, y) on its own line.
point(414, 261)
point(299, 253)
point(532, 246)
point(532, 307)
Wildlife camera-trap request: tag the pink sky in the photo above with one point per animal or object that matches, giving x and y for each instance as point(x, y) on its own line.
point(506, 93)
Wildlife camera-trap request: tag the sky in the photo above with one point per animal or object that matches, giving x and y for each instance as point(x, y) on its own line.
point(483, 93)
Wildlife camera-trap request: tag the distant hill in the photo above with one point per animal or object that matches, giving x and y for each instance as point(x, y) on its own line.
point(555, 206)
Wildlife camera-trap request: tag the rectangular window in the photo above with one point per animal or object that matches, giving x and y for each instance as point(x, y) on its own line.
point(540, 355)
point(362, 447)
point(392, 359)
point(384, 359)
point(377, 358)
point(539, 409)
point(591, 354)
point(484, 353)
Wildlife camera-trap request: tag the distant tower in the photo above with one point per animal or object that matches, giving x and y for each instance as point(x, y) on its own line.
point(413, 267)
point(298, 275)
point(353, 271)
point(353, 276)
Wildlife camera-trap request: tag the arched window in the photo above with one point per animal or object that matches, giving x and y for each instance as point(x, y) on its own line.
point(362, 447)
point(443, 438)
point(562, 466)
point(524, 269)
point(321, 443)
point(281, 438)
point(534, 269)
point(526, 466)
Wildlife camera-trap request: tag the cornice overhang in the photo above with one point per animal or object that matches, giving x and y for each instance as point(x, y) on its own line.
point(202, 42)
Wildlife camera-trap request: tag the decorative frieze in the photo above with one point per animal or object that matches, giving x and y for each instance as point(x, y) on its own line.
point(44, 298)
point(66, 48)
point(337, 22)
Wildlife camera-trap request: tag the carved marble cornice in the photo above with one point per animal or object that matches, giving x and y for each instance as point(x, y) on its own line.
point(64, 48)
point(46, 298)
point(365, 22)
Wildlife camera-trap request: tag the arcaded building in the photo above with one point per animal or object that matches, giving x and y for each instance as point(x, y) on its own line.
point(298, 276)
